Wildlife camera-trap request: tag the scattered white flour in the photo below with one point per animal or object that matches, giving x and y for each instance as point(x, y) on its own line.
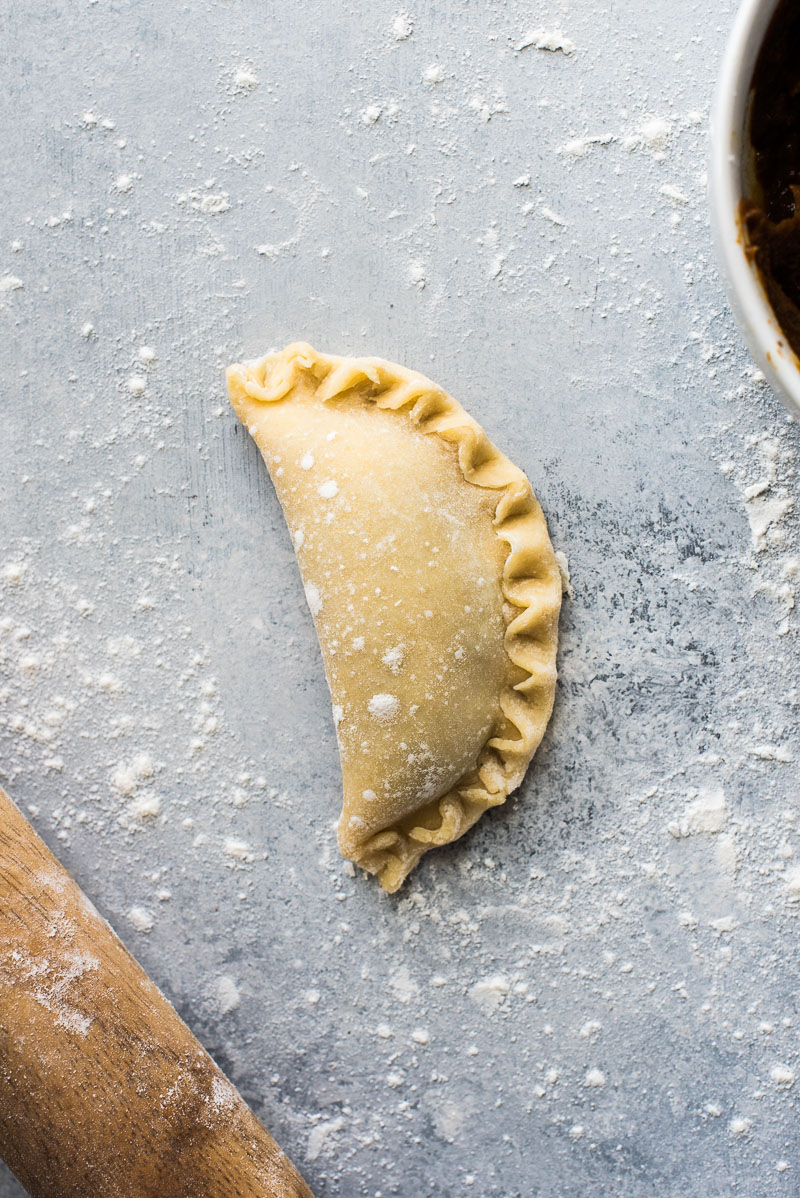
point(223, 1095)
point(486, 107)
point(563, 569)
point(244, 79)
point(228, 996)
point(552, 216)
point(449, 1118)
point(576, 147)
point(403, 985)
point(141, 919)
point(393, 658)
point(595, 1079)
point(371, 114)
point(763, 511)
point(145, 806)
point(127, 775)
point(137, 385)
point(673, 193)
point(239, 850)
point(123, 183)
point(772, 753)
point(739, 1126)
point(782, 1076)
point(213, 205)
point(307, 461)
point(402, 26)
point(793, 885)
point(56, 980)
point(147, 354)
point(329, 489)
point(13, 572)
point(509, 950)
point(546, 39)
point(707, 813)
point(209, 203)
point(313, 598)
point(727, 854)
point(383, 707)
point(490, 992)
point(653, 133)
point(318, 1139)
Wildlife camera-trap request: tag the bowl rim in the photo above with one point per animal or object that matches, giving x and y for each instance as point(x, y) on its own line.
point(764, 336)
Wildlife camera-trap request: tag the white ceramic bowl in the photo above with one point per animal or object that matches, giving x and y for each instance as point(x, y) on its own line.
point(730, 166)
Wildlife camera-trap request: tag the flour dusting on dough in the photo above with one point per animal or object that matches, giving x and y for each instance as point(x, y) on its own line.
point(383, 707)
point(313, 598)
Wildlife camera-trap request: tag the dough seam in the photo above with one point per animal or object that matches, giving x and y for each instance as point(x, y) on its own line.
point(531, 584)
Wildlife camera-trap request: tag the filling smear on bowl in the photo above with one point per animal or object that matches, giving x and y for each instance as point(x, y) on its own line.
point(771, 214)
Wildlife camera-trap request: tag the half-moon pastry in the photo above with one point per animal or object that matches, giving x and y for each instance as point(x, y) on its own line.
point(433, 586)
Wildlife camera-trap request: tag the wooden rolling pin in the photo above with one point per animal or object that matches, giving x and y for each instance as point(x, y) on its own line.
point(104, 1092)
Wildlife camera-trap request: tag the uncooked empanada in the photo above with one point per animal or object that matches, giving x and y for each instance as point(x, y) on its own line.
point(433, 586)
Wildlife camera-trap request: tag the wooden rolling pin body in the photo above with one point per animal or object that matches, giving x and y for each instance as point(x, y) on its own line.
point(104, 1091)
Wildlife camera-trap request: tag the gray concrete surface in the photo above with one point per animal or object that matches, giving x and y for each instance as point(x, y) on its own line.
point(595, 993)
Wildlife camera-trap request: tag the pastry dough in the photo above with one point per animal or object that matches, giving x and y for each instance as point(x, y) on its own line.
point(433, 586)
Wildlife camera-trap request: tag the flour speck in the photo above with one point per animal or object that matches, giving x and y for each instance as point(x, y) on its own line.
point(402, 26)
point(141, 919)
point(313, 598)
point(383, 707)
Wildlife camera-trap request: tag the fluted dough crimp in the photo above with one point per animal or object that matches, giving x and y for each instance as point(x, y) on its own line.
point(433, 586)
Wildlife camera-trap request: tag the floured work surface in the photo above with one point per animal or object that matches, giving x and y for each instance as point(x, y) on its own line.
point(604, 970)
